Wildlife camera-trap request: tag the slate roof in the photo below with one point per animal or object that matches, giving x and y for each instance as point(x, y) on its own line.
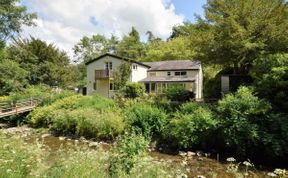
point(173, 65)
point(118, 57)
point(167, 79)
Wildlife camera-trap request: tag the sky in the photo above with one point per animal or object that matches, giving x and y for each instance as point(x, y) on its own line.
point(65, 22)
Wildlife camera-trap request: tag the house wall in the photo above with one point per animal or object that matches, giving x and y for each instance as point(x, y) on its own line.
point(103, 84)
point(198, 84)
point(139, 73)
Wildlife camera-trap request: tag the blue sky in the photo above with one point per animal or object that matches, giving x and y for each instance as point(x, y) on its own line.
point(65, 22)
point(189, 7)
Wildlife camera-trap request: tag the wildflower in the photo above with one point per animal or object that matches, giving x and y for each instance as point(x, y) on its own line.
point(279, 171)
point(247, 163)
point(231, 159)
point(271, 174)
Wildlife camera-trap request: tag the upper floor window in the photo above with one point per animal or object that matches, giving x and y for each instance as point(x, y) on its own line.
point(181, 73)
point(108, 65)
point(134, 66)
point(169, 73)
point(152, 74)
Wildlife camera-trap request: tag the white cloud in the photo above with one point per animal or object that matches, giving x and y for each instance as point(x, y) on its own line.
point(65, 22)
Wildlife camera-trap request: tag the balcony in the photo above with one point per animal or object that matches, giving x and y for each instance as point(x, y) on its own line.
point(103, 74)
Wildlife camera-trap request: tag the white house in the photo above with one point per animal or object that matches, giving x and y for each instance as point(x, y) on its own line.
point(155, 75)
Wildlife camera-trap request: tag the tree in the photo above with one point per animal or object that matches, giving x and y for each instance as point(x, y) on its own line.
point(89, 48)
point(175, 49)
point(12, 77)
point(131, 46)
point(122, 75)
point(12, 17)
point(44, 62)
point(270, 74)
point(235, 33)
point(184, 30)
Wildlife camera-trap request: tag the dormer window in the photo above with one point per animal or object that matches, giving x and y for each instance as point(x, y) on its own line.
point(134, 66)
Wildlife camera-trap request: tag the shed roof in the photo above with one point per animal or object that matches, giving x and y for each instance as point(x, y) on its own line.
point(173, 65)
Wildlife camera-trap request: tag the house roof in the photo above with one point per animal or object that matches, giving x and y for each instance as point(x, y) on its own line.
point(173, 65)
point(118, 57)
point(167, 79)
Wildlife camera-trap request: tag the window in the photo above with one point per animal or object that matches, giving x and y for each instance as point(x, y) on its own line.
point(108, 65)
point(111, 87)
point(181, 73)
point(152, 74)
point(95, 85)
point(134, 66)
point(169, 73)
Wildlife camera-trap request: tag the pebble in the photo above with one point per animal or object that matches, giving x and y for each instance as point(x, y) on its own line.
point(45, 135)
point(62, 138)
point(190, 154)
point(93, 144)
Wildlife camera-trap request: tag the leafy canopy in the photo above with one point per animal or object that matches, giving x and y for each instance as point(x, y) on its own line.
point(12, 17)
point(234, 33)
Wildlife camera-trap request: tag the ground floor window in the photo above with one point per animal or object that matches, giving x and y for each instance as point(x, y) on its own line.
point(112, 86)
point(161, 87)
point(95, 85)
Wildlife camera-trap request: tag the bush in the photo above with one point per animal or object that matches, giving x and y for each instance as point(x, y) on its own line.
point(130, 148)
point(178, 93)
point(241, 114)
point(192, 125)
point(146, 120)
point(102, 125)
point(133, 90)
point(43, 116)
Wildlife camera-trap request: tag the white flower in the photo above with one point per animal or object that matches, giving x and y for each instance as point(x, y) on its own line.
point(231, 159)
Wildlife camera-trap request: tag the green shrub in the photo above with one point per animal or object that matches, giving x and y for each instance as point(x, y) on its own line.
point(133, 90)
point(102, 125)
point(241, 114)
point(130, 148)
point(178, 93)
point(192, 125)
point(146, 119)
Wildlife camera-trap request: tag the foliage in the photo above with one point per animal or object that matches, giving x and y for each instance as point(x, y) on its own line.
point(146, 119)
point(133, 90)
point(131, 46)
point(192, 125)
point(20, 159)
point(240, 116)
point(178, 93)
point(235, 33)
point(130, 148)
point(122, 75)
point(89, 123)
point(45, 63)
point(17, 157)
point(175, 49)
point(91, 116)
point(13, 17)
point(89, 48)
point(12, 77)
point(270, 75)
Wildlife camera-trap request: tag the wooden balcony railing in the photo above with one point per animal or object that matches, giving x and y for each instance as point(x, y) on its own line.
point(103, 74)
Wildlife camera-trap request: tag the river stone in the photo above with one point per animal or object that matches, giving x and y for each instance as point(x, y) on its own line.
point(45, 135)
point(201, 176)
point(62, 138)
point(190, 154)
point(182, 153)
point(93, 144)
